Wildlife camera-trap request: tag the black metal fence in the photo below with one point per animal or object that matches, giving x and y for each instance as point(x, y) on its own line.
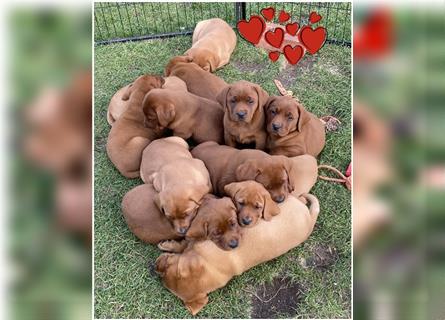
point(120, 22)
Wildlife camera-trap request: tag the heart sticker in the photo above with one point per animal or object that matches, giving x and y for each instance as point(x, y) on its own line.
point(251, 30)
point(314, 17)
point(293, 55)
point(274, 55)
point(292, 28)
point(313, 40)
point(268, 13)
point(284, 16)
point(275, 38)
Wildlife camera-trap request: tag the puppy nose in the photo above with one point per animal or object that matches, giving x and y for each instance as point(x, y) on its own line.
point(182, 230)
point(247, 220)
point(276, 126)
point(241, 114)
point(279, 199)
point(233, 243)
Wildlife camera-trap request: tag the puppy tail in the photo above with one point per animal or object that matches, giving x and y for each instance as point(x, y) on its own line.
point(314, 205)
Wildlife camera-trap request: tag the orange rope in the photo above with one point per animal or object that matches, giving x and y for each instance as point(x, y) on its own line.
point(344, 179)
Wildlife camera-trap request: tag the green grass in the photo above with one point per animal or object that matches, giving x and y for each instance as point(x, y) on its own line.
point(124, 285)
point(117, 20)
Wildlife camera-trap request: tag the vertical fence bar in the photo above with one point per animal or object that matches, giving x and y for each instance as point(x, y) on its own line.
point(145, 18)
point(137, 18)
point(128, 18)
point(104, 20)
point(97, 25)
point(120, 18)
point(112, 20)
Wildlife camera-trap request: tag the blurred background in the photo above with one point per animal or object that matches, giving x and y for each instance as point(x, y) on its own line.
point(399, 161)
point(49, 76)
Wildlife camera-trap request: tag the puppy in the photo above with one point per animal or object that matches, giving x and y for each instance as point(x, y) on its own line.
point(303, 172)
point(213, 43)
point(186, 114)
point(292, 131)
point(161, 152)
point(227, 165)
point(199, 82)
point(143, 217)
point(203, 267)
point(252, 202)
point(244, 117)
point(118, 105)
point(181, 184)
point(129, 136)
point(215, 221)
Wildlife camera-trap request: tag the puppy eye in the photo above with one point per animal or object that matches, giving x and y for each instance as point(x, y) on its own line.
point(241, 202)
point(232, 223)
point(218, 232)
point(290, 118)
point(258, 206)
point(249, 100)
point(233, 100)
point(273, 112)
point(163, 211)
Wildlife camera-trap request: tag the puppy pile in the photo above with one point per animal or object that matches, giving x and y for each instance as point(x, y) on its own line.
point(217, 207)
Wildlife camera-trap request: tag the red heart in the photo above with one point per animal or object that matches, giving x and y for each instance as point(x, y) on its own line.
point(292, 28)
point(268, 13)
point(314, 17)
point(293, 55)
point(313, 40)
point(284, 16)
point(274, 55)
point(251, 30)
point(275, 38)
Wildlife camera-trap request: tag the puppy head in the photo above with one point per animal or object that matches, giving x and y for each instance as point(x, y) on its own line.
point(159, 110)
point(181, 275)
point(252, 202)
point(216, 220)
point(271, 172)
point(174, 61)
point(242, 100)
point(204, 58)
point(179, 205)
point(285, 115)
point(144, 83)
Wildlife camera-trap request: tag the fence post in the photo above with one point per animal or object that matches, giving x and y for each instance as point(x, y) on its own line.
point(240, 11)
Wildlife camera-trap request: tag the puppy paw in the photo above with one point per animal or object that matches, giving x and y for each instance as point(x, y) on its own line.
point(171, 246)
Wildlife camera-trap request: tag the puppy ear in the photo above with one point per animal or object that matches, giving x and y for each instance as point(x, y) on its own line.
point(270, 208)
point(247, 171)
point(231, 189)
point(262, 95)
point(303, 117)
point(287, 168)
point(199, 228)
point(222, 97)
point(268, 102)
point(162, 263)
point(196, 305)
point(127, 92)
point(213, 63)
point(154, 180)
point(166, 114)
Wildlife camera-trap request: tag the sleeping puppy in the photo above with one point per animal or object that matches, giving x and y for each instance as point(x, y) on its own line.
point(181, 185)
point(227, 165)
point(213, 43)
point(215, 220)
point(203, 267)
point(244, 117)
point(161, 152)
point(143, 217)
point(129, 136)
point(292, 131)
point(198, 81)
point(186, 114)
point(118, 105)
point(252, 202)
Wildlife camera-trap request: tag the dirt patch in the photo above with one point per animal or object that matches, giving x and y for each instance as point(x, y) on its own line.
point(288, 74)
point(248, 66)
point(277, 299)
point(322, 257)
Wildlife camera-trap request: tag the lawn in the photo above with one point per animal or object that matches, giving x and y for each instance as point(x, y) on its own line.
point(311, 281)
